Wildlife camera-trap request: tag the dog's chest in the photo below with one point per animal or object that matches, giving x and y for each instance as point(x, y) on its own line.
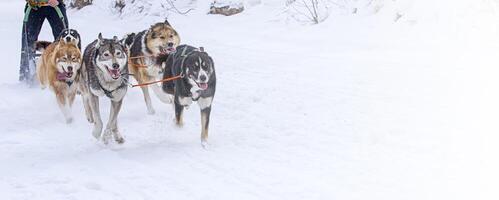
point(185, 101)
point(203, 102)
point(113, 89)
point(152, 68)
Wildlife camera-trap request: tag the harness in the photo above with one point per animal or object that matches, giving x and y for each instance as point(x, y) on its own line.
point(109, 93)
point(35, 4)
point(183, 56)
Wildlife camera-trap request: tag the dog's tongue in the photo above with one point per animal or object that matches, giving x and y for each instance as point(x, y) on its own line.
point(61, 76)
point(115, 73)
point(203, 86)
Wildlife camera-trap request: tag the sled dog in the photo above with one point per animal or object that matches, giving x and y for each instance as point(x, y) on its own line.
point(68, 35)
point(71, 35)
point(145, 49)
point(197, 83)
point(58, 68)
point(104, 73)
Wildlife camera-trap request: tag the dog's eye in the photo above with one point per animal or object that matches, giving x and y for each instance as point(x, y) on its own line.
point(171, 36)
point(118, 53)
point(162, 37)
point(106, 55)
point(204, 67)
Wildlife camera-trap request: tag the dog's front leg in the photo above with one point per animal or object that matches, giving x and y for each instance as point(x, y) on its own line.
point(163, 96)
point(87, 105)
point(179, 112)
point(147, 98)
point(205, 123)
point(94, 106)
point(63, 103)
point(71, 97)
point(205, 107)
point(112, 124)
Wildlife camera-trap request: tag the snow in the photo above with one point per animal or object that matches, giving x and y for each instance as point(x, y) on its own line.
point(358, 107)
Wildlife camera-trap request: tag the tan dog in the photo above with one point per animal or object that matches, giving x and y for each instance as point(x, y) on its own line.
point(148, 50)
point(58, 68)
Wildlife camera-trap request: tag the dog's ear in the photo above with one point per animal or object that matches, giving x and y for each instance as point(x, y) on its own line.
point(100, 40)
point(100, 37)
point(166, 22)
point(201, 49)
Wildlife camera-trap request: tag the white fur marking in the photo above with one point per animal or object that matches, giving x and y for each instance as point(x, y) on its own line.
point(185, 101)
point(205, 102)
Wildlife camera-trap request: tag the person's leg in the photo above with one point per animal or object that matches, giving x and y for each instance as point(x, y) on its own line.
point(55, 21)
point(30, 32)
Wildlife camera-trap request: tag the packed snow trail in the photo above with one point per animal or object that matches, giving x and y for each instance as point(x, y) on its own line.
point(341, 110)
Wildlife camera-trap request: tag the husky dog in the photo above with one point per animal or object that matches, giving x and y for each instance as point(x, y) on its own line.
point(198, 83)
point(58, 68)
point(159, 40)
point(104, 73)
point(70, 35)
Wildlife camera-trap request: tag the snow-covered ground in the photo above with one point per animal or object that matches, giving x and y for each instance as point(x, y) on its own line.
point(353, 108)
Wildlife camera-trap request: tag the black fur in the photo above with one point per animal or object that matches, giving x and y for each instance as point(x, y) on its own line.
point(192, 64)
point(136, 46)
point(174, 67)
point(71, 32)
point(128, 40)
point(42, 45)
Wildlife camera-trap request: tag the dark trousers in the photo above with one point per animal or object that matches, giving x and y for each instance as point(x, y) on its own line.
point(31, 30)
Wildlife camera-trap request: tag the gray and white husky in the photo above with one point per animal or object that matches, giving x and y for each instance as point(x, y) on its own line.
point(105, 74)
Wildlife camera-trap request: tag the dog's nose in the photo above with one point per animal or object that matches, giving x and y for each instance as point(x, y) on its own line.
point(116, 66)
point(202, 78)
point(70, 68)
point(170, 44)
point(68, 39)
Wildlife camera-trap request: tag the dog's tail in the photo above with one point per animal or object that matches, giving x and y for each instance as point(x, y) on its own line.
point(128, 39)
point(41, 45)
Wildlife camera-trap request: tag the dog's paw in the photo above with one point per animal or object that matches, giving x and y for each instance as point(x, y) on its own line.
point(118, 138)
point(151, 111)
point(69, 120)
point(168, 99)
point(179, 123)
point(106, 136)
point(90, 120)
point(205, 144)
point(97, 131)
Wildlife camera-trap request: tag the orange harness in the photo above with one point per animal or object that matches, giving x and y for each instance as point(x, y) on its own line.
point(153, 82)
point(160, 81)
point(136, 57)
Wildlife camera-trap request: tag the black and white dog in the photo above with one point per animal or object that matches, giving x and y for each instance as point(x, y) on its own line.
point(70, 36)
point(198, 83)
point(104, 73)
